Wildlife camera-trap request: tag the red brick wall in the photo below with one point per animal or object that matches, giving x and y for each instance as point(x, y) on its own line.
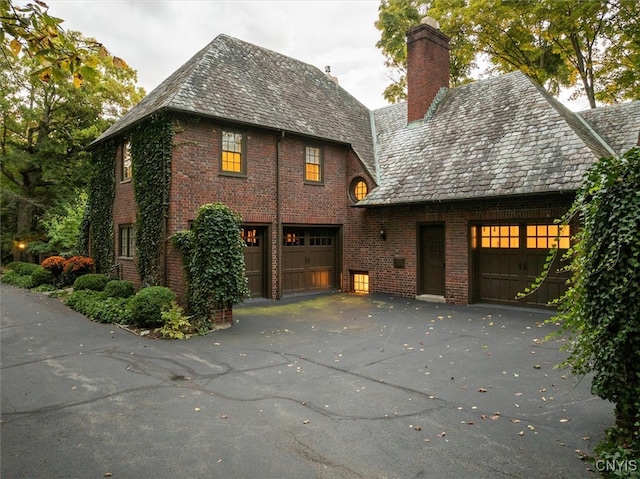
point(124, 213)
point(366, 251)
point(196, 181)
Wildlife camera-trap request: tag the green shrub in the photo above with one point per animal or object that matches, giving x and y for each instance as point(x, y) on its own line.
point(12, 266)
point(176, 324)
point(25, 269)
point(147, 305)
point(84, 301)
point(97, 307)
point(113, 310)
point(119, 289)
point(92, 281)
point(21, 281)
point(41, 276)
point(44, 288)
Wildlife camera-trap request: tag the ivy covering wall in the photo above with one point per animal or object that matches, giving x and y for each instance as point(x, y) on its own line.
point(102, 189)
point(151, 150)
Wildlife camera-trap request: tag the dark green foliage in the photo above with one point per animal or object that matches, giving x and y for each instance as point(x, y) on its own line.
point(15, 279)
point(147, 305)
point(41, 276)
point(97, 307)
point(214, 262)
point(151, 150)
point(600, 312)
point(102, 188)
point(92, 281)
point(24, 269)
point(119, 289)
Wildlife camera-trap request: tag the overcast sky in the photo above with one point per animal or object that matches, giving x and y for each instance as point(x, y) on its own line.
point(155, 37)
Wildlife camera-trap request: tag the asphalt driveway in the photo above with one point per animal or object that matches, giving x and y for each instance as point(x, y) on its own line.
point(335, 386)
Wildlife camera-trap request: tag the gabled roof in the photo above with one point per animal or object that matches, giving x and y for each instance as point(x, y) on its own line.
point(236, 81)
point(495, 137)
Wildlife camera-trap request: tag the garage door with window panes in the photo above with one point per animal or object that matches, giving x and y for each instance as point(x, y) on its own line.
point(308, 259)
point(511, 256)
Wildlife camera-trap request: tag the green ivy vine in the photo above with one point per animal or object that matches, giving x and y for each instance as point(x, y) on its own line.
point(151, 151)
point(600, 312)
point(213, 257)
point(102, 189)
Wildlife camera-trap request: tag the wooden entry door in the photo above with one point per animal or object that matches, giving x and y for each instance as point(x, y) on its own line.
point(254, 259)
point(432, 260)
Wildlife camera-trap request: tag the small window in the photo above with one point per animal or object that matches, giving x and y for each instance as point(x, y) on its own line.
point(250, 237)
point(127, 241)
point(127, 165)
point(232, 158)
point(313, 164)
point(358, 190)
point(360, 282)
point(548, 236)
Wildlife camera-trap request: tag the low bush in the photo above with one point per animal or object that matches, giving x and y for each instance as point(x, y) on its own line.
point(176, 324)
point(92, 281)
point(25, 269)
point(41, 276)
point(55, 264)
point(13, 278)
point(97, 307)
point(85, 301)
point(78, 265)
point(147, 305)
point(119, 289)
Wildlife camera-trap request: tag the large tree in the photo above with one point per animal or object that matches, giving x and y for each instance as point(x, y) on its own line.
point(591, 46)
point(45, 124)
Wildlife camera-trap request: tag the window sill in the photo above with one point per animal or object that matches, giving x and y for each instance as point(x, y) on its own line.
point(232, 174)
point(128, 180)
point(314, 183)
point(126, 258)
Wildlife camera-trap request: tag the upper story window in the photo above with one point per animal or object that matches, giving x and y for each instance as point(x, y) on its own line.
point(233, 158)
point(358, 189)
point(127, 165)
point(313, 164)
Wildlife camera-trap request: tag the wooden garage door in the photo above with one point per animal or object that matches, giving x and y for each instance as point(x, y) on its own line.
point(511, 256)
point(254, 259)
point(308, 259)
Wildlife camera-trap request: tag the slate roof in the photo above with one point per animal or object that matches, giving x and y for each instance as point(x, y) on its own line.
point(618, 125)
point(236, 81)
point(495, 137)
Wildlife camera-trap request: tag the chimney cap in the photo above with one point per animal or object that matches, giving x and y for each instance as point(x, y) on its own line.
point(432, 22)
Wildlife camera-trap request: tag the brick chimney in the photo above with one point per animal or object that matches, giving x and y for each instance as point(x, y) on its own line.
point(427, 66)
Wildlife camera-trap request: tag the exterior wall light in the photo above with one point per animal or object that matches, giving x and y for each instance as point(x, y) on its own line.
point(383, 234)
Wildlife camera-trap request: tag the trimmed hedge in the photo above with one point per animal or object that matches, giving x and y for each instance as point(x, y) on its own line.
point(147, 305)
point(15, 279)
point(119, 289)
point(92, 281)
point(41, 276)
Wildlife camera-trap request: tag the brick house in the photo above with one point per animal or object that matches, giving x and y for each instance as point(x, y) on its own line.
point(450, 196)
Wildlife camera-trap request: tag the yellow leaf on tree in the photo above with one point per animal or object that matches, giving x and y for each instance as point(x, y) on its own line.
point(45, 75)
point(77, 80)
point(119, 63)
point(16, 46)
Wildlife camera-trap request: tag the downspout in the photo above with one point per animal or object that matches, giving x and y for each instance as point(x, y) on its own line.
point(278, 221)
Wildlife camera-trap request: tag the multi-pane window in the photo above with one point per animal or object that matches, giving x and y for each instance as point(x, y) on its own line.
point(127, 166)
point(127, 241)
point(313, 164)
point(504, 236)
point(232, 160)
point(548, 236)
point(360, 282)
point(293, 238)
point(250, 237)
